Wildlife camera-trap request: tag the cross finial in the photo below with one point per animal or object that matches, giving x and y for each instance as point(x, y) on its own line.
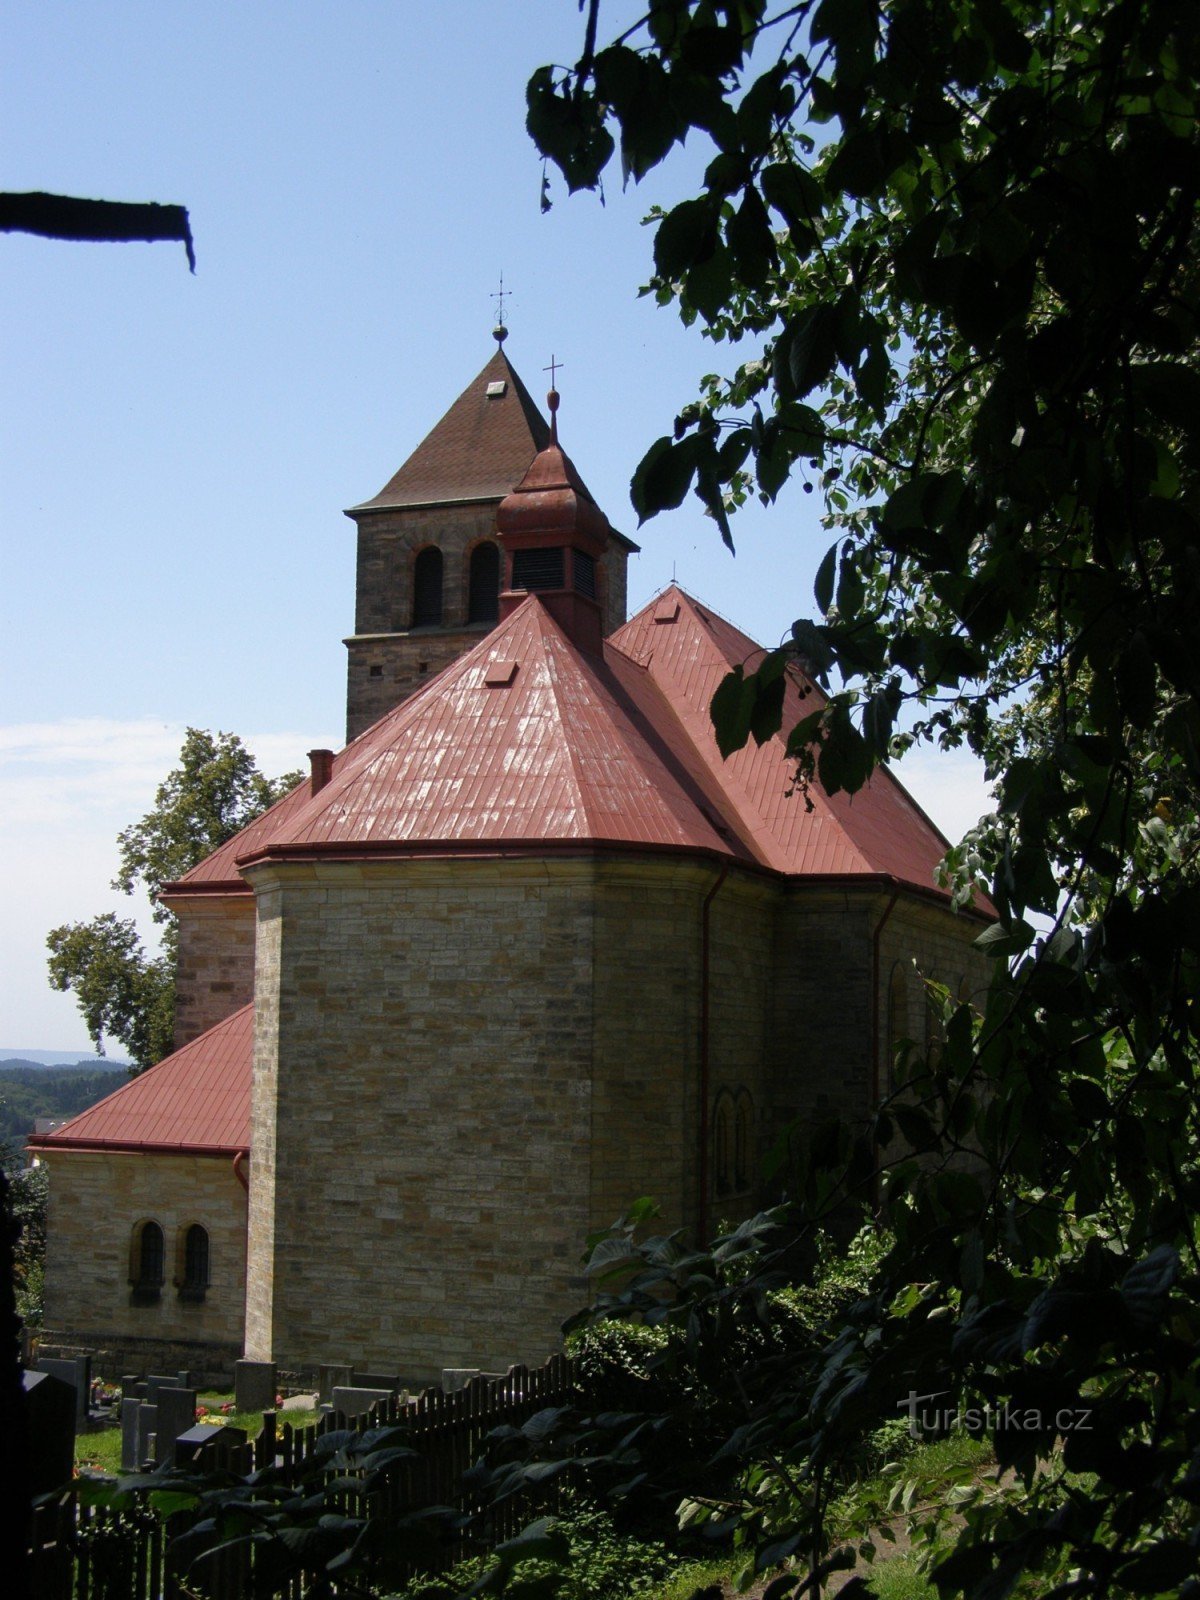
point(500, 332)
point(552, 398)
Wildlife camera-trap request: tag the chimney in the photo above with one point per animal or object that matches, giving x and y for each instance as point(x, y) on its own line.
point(322, 768)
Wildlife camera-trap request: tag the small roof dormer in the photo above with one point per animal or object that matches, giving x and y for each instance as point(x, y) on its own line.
point(553, 535)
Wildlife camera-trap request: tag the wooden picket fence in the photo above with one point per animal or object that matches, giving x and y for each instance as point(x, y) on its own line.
point(92, 1553)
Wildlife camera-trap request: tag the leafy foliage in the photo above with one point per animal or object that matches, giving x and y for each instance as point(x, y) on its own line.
point(26, 1206)
point(595, 1561)
point(123, 992)
point(959, 237)
point(27, 1093)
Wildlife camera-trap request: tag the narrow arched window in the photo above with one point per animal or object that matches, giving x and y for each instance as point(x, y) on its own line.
point(722, 1143)
point(483, 589)
point(427, 589)
point(195, 1261)
point(897, 1019)
point(741, 1142)
point(148, 1258)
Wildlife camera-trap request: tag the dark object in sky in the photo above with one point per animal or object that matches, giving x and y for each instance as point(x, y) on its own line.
point(60, 216)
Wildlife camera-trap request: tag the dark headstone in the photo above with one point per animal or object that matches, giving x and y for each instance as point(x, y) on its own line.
point(454, 1378)
point(352, 1402)
point(208, 1446)
point(329, 1375)
point(50, 1407)
point(254, 1385)
point(377, 1380)
point(176, 1415)
point(147, 1433)
point(76, 1371)
point(129, 1434)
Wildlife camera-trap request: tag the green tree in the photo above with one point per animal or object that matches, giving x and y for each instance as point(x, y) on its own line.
point(124, 993)
point(958, 238)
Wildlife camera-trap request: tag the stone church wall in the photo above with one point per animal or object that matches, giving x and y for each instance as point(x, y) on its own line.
point(97, 1199)
point(421, 1113)
point(215, 975)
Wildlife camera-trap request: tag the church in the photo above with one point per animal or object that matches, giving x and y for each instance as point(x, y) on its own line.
point(525, 950)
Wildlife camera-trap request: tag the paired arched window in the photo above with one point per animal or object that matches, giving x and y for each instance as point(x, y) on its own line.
point(427, 589)
point(147, 1261)
point(483, 584)
point(732, 1138)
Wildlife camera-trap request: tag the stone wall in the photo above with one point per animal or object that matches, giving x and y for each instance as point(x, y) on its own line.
point(388, 658)
point(97, 1199)
point(421, 1112)
point(215, 975)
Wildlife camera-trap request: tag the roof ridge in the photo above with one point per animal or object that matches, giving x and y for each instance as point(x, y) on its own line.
point(544, 617)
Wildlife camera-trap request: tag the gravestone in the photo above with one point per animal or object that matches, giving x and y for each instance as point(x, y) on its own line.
point(254, 1385)
point(176, 1415)
point(454, 1378)
point(352, 1402)
point(129, 1434)
point(328, 1376)
point(147, 1433)
point(50, 1409)
point(208, 1447)
point(77, 1371)
point(376, 1380)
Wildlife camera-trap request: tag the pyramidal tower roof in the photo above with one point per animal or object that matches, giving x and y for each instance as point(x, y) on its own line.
point(481, 447)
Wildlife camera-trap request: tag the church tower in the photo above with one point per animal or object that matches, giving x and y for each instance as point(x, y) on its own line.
point(430, 567)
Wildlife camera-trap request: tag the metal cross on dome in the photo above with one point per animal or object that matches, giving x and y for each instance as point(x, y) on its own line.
point(554, 367)
point(499, 296)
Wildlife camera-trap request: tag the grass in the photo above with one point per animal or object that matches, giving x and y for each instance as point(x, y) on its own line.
point(101, 1451)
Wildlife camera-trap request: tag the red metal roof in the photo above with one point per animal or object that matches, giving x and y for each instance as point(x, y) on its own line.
point(881, 830)
point(195, 1102)
point(524, 741)
point(527, 742)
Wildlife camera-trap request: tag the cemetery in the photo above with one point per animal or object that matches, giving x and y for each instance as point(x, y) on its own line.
point(89, 1541)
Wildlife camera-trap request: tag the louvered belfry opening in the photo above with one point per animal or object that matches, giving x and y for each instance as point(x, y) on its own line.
point(538, 568)
point(483, 588)
point(584, 569)
point(427, 589)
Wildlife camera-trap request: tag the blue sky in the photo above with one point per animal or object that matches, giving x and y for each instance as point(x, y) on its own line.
point(177, 450)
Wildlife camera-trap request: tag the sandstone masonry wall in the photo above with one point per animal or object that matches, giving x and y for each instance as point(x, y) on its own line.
point(389, 659)
point(422, 1111)
point(215, 975)
point(96, 1200)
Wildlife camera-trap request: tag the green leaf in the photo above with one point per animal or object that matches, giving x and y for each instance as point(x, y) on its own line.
point(751, 244)
point(685, 236)
point(663, 476)
point(823, 586)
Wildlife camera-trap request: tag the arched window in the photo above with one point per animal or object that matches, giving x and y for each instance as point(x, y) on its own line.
point(195, 1263)
point(934, 1026)
point(722, 1143)
point(742, 1122)
point(146, 1265)
point(427, 589)
point(897, 1018)
point(483, 588)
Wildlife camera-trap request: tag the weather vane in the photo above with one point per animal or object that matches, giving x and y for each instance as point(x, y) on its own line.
point(500, 332)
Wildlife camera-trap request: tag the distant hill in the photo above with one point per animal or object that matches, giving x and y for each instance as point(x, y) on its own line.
point(60, 1058)
point(33, 1090)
